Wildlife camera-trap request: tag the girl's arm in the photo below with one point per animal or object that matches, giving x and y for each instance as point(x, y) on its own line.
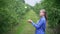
point(38, 25)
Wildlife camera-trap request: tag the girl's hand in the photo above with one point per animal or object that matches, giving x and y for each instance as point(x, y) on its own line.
point(30, 21)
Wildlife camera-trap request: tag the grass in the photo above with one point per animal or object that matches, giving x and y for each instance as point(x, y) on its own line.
point(25, 27)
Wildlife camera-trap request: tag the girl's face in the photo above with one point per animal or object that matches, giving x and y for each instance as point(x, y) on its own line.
point(41, 13)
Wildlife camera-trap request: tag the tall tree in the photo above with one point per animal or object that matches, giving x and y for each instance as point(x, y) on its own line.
point(10, 15)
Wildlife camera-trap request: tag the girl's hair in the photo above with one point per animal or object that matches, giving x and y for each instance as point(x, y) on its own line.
point(44, 13)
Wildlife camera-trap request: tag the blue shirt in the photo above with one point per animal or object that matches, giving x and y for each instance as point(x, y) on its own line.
point(40, 26)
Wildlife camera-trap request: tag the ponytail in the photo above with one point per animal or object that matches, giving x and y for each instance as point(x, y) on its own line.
point(45, 15)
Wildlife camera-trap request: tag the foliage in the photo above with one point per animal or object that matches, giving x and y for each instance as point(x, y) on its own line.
point(8, 20)
point(9, 17)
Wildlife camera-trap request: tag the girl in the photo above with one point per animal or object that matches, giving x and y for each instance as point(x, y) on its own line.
point(41, 25)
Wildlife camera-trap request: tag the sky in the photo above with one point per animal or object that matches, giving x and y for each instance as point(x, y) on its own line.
point(32, 2)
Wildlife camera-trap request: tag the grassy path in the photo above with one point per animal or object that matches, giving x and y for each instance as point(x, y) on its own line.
point(28, 28)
